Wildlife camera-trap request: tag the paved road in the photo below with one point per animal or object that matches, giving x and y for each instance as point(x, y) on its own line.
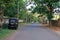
point(34, 32)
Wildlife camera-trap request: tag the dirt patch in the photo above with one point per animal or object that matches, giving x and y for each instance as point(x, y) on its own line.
point(54, 28)
point(11, 36)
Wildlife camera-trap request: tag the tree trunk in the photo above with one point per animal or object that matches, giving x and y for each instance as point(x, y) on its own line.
point(49, 23)
point(50, 9)
point(0, 24)
point(1, 17)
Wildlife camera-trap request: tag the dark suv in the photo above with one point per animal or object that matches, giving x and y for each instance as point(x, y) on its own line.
point(13, 23)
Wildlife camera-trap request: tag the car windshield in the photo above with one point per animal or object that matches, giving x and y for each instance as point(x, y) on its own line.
point(13, 20)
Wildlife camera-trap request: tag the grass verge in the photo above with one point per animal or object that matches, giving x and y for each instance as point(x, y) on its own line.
point(4, 33)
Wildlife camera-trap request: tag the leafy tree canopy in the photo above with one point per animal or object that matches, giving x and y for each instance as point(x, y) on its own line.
point(11, 6)
point(45, 6)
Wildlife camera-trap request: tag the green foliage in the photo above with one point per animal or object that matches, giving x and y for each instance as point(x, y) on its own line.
point(22, 14)
point(4, 33)
point(10, 11)
point(40, 9)
point(11, 6)
point(46, 1)
point(5, 26)
point(35, 19)
point(45, 7)
point(49, 16)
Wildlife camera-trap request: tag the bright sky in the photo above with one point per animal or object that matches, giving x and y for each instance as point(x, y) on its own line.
point(29, 6)
point(24, 0)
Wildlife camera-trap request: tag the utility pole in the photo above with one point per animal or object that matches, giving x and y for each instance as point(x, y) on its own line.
point(18, 10)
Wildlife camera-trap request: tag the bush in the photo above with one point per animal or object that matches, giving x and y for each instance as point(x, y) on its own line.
point(54, 22)
point(5, 26)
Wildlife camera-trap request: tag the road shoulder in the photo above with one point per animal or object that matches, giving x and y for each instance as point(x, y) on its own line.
point(53, 28)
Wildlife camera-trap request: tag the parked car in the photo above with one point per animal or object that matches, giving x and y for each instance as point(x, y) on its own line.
point(13, 23)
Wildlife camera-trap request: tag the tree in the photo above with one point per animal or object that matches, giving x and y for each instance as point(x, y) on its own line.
point(9, 8)
point(45, 6)
point(1, 12)
point(12, 8)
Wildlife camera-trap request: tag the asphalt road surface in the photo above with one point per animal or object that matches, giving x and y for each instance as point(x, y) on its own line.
point(34, 32)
